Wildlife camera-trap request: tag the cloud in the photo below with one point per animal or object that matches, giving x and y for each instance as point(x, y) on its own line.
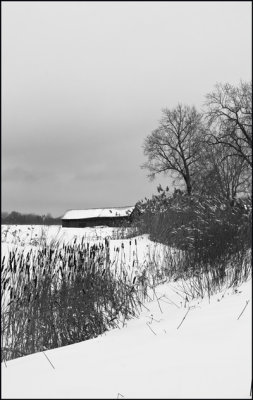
point(92, 171)
point(20, 174)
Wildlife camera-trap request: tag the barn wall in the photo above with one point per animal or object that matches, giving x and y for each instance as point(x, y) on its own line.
point(84, 223)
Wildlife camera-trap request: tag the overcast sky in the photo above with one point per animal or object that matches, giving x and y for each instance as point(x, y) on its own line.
point(83, 83)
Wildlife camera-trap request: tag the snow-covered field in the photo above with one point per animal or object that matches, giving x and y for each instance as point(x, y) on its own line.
point(135, 253)
point(175, 349)
point(23, 235)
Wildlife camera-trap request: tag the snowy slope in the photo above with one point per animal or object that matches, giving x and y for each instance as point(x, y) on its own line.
point(208, 356)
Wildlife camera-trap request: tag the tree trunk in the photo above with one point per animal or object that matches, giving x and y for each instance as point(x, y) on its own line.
point(189, 189)
point(187, 179)
point(188, 184)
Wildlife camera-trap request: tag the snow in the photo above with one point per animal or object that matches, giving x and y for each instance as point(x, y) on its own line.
point(98, 212)
point(24, 235)
point(208, 356)
point(157, 355)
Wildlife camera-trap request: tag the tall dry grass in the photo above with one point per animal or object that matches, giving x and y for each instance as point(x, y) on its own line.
point(54, 296)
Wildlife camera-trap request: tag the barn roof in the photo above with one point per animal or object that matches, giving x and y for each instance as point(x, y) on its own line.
point(98, 213)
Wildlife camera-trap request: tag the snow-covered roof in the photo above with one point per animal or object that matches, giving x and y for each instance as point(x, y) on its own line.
point(98, 213)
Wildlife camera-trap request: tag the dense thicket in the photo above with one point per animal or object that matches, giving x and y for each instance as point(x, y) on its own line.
point(213, 238)
point(16, 218)
point(202, 223)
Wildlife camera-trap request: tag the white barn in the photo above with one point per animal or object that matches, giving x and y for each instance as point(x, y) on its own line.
point(112, 216)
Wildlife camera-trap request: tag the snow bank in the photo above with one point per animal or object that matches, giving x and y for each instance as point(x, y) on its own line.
point(207, 356)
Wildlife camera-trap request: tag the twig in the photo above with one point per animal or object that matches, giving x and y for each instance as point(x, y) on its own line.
point(150, 328)
point(247, 302)
point(170, 301)
point(119, 394)
point(157, 300)
point(48, 359)
point(143, 305)
point(183, 319)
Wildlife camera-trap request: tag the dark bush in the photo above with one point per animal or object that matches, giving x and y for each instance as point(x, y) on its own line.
point(207, 228)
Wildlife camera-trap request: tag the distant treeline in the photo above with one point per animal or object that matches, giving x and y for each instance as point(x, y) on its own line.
point(16, 218)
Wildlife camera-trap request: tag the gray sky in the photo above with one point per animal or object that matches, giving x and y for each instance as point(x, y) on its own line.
point(83, 83)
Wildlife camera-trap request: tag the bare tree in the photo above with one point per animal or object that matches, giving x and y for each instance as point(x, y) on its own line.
point(174, 146)
point(221, 174)
point(229, 115)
